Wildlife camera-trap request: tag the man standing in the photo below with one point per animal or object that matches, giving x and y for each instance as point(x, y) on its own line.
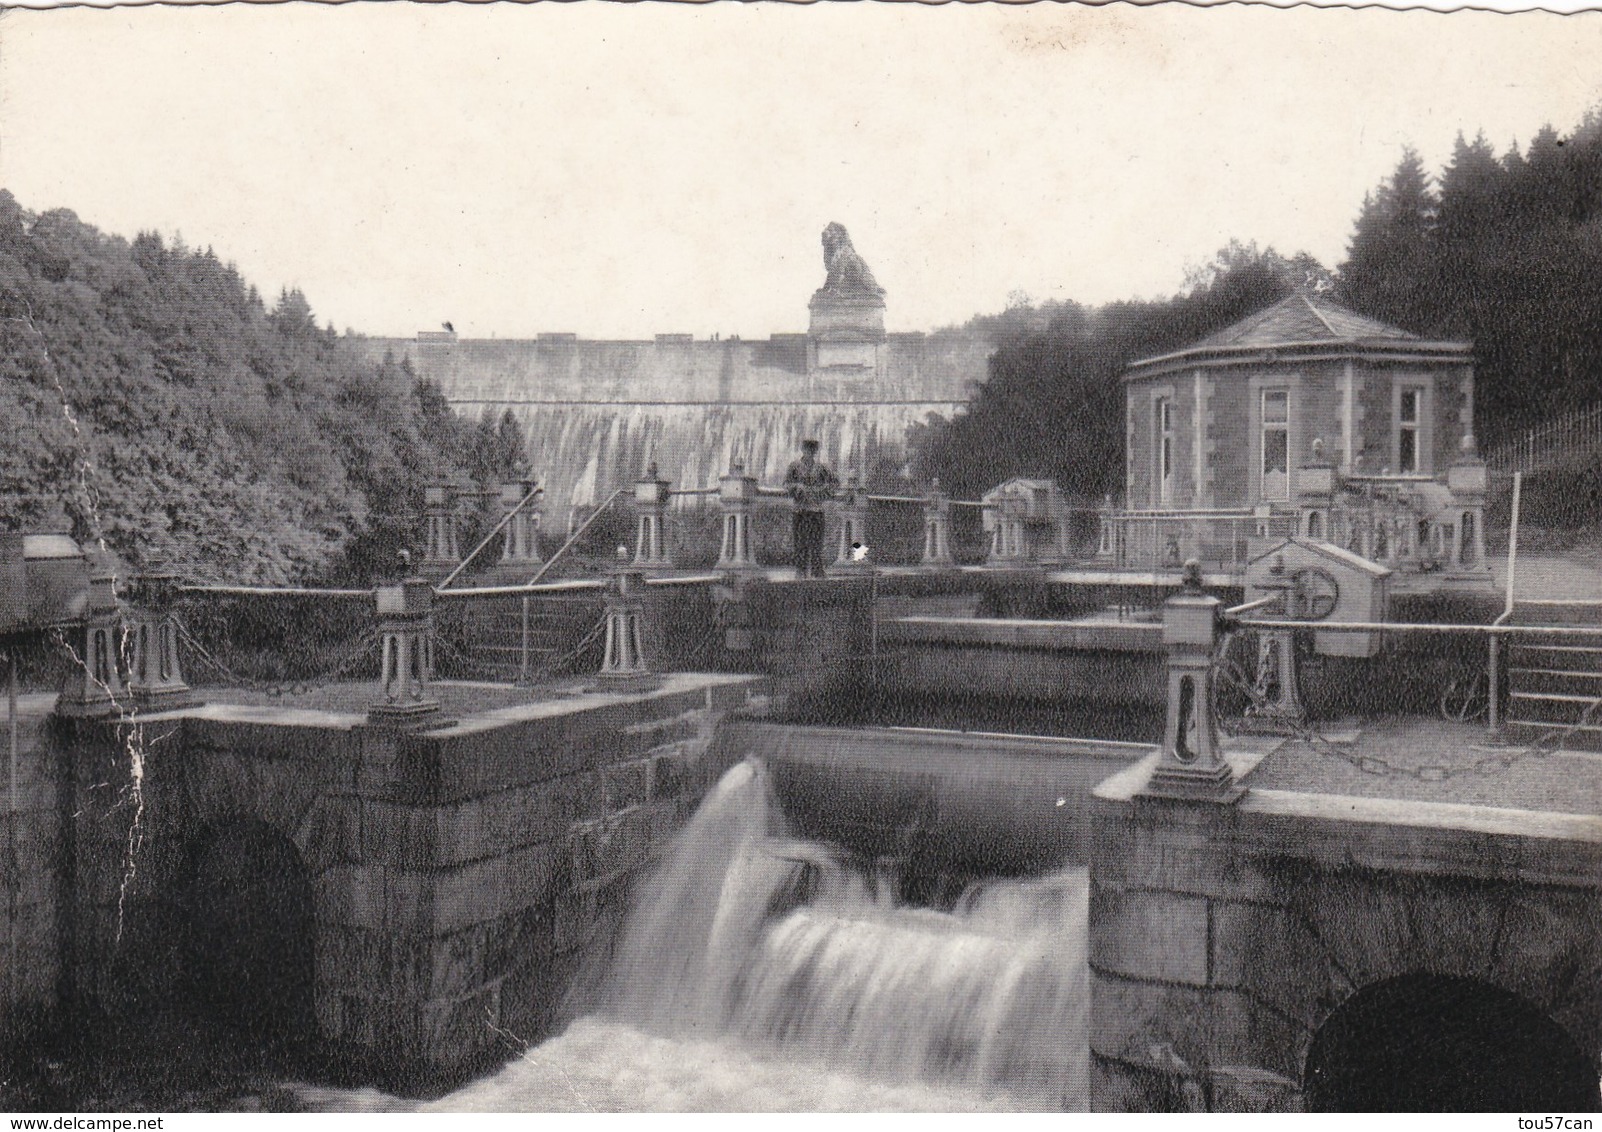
point(809, 484)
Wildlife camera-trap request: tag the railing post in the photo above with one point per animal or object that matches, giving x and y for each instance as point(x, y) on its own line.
point(523, 674)
point(96, 685)
point(1469, 482)
point(406, 654)
point(623, 665)
point(852, 505)
point(522, 545)
point(1278, 684)
point(737, 492)
point(1106, 545)
point(937, 527)
point(155, 678)
point(1192, 765)
point(1493, 688)
point(651, 496)
point(440, 547)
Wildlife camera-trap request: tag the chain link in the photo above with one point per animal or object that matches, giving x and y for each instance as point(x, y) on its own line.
point(1493, 762)
point(360, 651)
point(546, 670)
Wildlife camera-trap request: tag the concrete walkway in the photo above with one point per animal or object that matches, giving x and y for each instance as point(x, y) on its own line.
point(1574, 575)
point(1568, 782)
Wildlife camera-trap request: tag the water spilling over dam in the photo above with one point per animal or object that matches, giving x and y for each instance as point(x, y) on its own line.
point(595, 413)
point(756, 971)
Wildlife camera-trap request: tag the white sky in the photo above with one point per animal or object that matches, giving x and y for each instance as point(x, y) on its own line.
point(619, 170)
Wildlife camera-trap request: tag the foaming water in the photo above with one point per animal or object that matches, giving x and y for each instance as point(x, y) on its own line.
point(757, 972)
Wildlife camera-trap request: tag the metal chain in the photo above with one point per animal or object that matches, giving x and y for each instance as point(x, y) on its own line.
point(551, 666)
point(362, 650)
point(1493, 762)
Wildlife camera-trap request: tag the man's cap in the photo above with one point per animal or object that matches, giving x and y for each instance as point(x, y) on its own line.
point(809, 445)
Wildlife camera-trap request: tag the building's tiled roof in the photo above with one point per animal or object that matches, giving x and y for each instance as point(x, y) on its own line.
point(1305, 323)
point(1301, 319)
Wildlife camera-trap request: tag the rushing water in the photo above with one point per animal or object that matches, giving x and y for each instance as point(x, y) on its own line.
point(759, 972)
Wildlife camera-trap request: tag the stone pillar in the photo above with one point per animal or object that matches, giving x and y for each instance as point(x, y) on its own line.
point(440, 548)
point(406, 653)
point(154, 676)
point(1277, 687)
point(1009, 545)
point(522, 546)
point(96, 686)
point(937, 527)
point(1469, 482)
point(852, 505)
point(623, 666)
point(1192, 764)
point(651, 496)
point(1315, 494)
point(737, 493)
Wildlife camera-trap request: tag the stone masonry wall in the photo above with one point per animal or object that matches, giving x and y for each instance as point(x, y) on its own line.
point(30, 847)
point(460, 877)
point(1222, 937)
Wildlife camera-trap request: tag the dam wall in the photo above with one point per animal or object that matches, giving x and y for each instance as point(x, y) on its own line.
point(677, 369)
point(596, 413)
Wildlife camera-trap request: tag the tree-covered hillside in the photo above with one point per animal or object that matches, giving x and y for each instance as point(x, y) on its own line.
point(147, 390)
point(1503, 251)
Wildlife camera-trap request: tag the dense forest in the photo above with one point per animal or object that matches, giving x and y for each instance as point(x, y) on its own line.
point(152, 395)
point(1503, 251)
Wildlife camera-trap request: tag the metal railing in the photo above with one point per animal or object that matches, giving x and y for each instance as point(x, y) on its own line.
point(485, 541)
point(1159, 540)
point(578, 533)
point(1550, 444)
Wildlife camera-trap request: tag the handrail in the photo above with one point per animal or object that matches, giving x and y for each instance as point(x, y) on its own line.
point(896, 499)
point(569, 585)
point(1492, 630)
point(575, 585)
point(574, 537)
point(244, 591)
point(1493, 666)
point(1237, 610)
point(1513, 540)
point(485, 541)
point(1179, 513)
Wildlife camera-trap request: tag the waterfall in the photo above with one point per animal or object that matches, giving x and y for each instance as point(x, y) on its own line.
point(758, 972)
point(582, 452)
point(788, 948)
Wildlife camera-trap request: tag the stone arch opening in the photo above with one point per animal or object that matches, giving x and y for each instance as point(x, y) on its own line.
point(247, 958)
point(1435, 1043)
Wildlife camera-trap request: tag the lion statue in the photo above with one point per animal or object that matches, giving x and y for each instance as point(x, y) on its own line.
point(848, 273)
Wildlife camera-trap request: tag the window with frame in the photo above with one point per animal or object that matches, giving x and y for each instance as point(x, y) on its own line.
point(1165, 450)
point(1409, 422)
point(1275, 444)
